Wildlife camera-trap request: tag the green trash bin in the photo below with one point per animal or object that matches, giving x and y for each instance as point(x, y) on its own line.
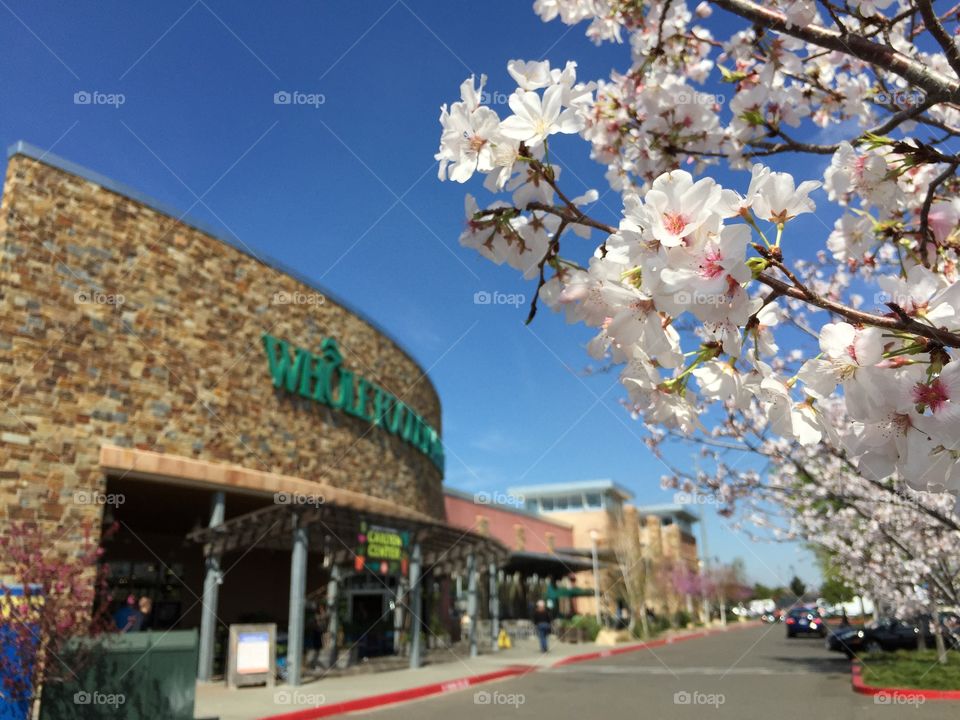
point(136, 676)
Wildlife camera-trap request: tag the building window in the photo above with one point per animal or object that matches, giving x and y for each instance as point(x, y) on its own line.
point(575, 502)
point(594, 500)
point(533, 505)
point(546, 504)
point(561, 503)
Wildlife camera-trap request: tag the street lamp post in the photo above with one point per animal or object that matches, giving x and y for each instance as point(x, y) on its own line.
point(596, 574)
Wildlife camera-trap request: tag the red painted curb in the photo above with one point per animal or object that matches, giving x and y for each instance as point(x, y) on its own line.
point(399, 696)
point(599, 654)
point(859, 686)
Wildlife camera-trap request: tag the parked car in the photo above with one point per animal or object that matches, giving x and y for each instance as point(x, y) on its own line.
point(884, 634)
point(805, 621)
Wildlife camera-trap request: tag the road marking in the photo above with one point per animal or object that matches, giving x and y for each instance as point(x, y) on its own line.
point(674, 670)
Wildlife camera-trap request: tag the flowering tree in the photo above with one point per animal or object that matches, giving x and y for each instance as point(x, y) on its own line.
point(886, 539)
point(63, 598)
point(696, 286)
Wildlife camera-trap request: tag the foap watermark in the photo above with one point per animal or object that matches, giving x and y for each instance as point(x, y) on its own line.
point(95, 97)
point(298, 298)
point(686, 697)
point(693, 97)
point(296, 97)
point(297, 498)
point(898, 698)
point(494, 97)
point(686, 297)
point(114, 700)
point(901, 98)
point(482, 297)
point(95, 297)
point(497, 498)
point(685, 498)
point(901, 300)
point(486, 697)
point(95, 497)
point(301, 699)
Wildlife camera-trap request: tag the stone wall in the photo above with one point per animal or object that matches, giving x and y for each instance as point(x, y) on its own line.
point(177, 366)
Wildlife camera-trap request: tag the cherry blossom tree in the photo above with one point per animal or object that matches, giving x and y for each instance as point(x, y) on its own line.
point(833, 356)
point(698, 288)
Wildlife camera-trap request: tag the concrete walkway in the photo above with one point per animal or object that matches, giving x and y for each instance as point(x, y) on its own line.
point(214, 700)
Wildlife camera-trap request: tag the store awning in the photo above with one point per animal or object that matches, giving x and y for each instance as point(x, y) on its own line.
point(555, 593)
point(550, 565)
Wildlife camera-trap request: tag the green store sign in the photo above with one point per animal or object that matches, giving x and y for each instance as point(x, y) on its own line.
point(323, 379)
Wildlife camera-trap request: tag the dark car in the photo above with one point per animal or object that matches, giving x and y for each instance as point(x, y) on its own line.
point(884, 634)
point(805, 621)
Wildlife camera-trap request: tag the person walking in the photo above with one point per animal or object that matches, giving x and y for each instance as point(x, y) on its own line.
point(541, 620)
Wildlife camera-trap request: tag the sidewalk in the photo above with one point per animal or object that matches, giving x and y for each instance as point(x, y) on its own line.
point(447, 671)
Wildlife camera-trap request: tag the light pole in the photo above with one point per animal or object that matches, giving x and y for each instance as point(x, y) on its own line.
point(596, 573)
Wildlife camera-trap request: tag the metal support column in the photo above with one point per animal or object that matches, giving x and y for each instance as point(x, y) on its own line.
point(211, 592)
point(472, 603)
point(415, 594)
point(399, 600)
point(494, 605)
point(333, 618)
point(298, 591)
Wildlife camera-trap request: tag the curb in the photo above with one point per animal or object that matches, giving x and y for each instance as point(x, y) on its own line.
point(859, 686)
point(613, 651)
point(441, 688)
point(400, 696)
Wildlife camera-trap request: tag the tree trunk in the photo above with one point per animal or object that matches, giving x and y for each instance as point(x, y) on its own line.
point(644, 625)
point(937, 633)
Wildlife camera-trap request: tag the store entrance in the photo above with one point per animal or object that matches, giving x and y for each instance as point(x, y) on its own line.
point(369, 625)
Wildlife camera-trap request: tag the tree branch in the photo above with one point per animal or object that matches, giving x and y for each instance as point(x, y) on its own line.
point(940, 34)
point(937, 86)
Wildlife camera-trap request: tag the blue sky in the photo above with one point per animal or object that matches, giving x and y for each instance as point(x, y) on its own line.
point(347, 192)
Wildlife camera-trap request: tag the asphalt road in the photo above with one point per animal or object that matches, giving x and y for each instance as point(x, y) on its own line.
point(747, 674)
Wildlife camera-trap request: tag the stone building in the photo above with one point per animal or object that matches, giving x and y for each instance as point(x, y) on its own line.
point(160, 379)
point(651, 539)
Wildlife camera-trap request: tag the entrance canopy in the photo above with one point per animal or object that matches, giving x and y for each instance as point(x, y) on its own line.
point(548, 565)
point(333, 529)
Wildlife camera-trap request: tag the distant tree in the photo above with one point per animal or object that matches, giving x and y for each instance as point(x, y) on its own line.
point(833, 589)
point(797, 586)
point(762, 592)
point(632, 569)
